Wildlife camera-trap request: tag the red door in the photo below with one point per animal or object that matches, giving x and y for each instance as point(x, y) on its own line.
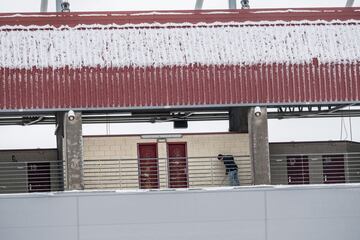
point(333, 169)
point(148, 166)
point(178, 174)
point(298, 169)
point(39, 177)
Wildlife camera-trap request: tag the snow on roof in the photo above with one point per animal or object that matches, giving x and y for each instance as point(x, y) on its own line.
point(169, 44)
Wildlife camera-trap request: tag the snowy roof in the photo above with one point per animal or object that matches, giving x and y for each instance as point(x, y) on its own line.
point(179, 44)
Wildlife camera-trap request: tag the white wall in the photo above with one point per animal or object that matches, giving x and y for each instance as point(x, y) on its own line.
point(254, 213)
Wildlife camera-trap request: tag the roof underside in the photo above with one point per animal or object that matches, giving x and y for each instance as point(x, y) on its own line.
point(146, 60)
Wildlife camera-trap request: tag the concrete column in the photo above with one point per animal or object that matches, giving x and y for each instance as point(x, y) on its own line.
point(238, 120)
point(259, 146)
point(73, 143)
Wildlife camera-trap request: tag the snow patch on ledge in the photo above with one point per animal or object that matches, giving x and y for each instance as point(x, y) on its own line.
point(349, 186)
point(288, 11)
point(180, 44)
point(27, 15)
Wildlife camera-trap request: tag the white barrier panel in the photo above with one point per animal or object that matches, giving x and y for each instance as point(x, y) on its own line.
point(328, 212)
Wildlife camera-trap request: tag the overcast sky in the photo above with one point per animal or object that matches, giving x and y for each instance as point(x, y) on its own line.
point(279, 130)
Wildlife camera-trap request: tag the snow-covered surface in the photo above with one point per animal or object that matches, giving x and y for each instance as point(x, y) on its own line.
point(179, 44)
point(27, 15)
point(187, 190)
point(288, 11)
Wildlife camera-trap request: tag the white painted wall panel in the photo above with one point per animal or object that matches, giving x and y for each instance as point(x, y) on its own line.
point(173, 215)
point(310, 212)
point(37, 211)
point(39, 233)
point(38, 217)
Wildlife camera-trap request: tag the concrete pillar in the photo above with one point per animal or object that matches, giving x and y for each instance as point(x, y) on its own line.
point(73, 152)
point(238, 120)
point(259, 146)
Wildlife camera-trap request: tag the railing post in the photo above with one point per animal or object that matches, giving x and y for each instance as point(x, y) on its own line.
point(212, 171)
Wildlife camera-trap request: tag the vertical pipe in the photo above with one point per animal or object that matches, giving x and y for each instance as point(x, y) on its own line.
point(349, 3)
point(199, 4)
point(44, 6)
point(58, 5)
point(232, 4)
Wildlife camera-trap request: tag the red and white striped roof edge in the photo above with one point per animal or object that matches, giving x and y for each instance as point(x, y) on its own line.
point(179, 59)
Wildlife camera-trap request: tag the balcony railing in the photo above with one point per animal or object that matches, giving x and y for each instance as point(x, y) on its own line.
point(124, 173)
point(31, 176)
point(190, 172)
point(154, 173)
point(315, 168)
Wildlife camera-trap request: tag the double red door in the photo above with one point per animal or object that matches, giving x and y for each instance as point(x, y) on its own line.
point(178, 169)
point(298, 169)
point(333, 169)
point(148, 166)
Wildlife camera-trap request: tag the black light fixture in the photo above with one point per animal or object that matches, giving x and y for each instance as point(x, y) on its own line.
point(180, 124)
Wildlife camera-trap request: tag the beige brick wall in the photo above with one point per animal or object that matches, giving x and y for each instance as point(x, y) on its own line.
point(111, 161)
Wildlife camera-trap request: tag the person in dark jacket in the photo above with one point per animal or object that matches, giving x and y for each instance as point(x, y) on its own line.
point(231, 169)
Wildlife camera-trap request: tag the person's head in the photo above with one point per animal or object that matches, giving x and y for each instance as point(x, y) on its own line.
point(220, 157)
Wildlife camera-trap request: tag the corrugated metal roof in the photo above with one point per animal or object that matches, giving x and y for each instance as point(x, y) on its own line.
point(180, 86)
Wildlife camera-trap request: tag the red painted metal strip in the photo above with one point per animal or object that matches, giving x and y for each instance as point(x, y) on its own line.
point(193, 85)
point(342, 84)
point(72, 19)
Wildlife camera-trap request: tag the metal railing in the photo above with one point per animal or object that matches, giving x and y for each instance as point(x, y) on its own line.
point(31, 176)
point(155, 173)
point(190, 172)
point(315, 168)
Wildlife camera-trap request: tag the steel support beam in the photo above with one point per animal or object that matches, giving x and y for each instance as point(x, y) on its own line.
point(349, 3)
point(44, 6)
point(232, 4)
point(199, 4)
point(59, 132)
point(58, 5)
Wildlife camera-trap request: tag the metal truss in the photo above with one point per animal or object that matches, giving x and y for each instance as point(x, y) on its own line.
point(206, 114)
